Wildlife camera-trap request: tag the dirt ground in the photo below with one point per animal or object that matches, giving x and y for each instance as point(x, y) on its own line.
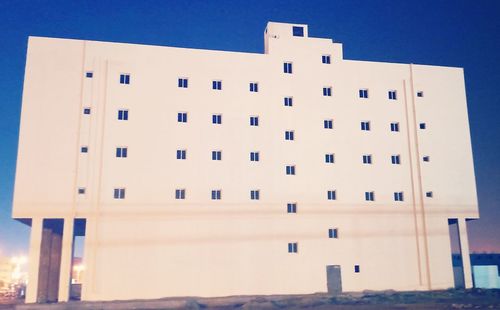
point(449, 299)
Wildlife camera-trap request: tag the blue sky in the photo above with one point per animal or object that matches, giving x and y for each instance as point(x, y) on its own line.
point(448, 33)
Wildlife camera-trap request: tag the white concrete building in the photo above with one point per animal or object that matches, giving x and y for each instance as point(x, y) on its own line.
point(213, 173)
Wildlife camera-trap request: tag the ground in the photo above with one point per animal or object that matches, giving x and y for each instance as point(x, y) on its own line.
point(449, 299)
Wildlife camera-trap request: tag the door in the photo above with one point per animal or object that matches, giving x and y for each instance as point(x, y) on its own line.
point(333, 279)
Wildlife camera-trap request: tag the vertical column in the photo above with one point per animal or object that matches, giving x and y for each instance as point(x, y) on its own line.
point(34, 259)
point(464, 247)
point(66, 263)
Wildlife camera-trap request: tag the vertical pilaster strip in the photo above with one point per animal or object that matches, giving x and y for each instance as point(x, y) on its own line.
point(34, 259)
point(464, 249)
point(66, 263)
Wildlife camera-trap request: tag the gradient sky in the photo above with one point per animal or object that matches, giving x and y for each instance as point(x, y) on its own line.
point(447, 33)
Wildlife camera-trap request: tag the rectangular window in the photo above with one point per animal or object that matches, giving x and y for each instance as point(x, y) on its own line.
point(428, 194)
point(333, 233)
point(328, 123)
point(325, 59)
point(216, 118)
point(298, 31)
point(254, 87)
point(422, 126)
point(86, 111)
point(365, 126)
point(254, 121)
point(81, 190)
point(180, 194)
point(255, 194)
point(217, 85)
point(124, 78)
point(395, 127)
point(329, 158)
point(216, 194)
point(398, 196)
point(287, 67)
point(182, 82)
point(254, 156)
point(121, 152)
point(289, 135)
point(84, 149)
point(420, 94)
point(89, 74)
point(327, 91)
point(291, 208)
point(332, 195)
point(182, 117)
point(119, 193)
point(288, 101)
point(367, 159)
point(426, 158)
point(363, 93)
point(395, 159)
point(392, 95)
point(356, 268)
point(181, 154)
point(290, 170)
point(292, 247)
point(123, 115)
point(370, 196)
point(216, 155)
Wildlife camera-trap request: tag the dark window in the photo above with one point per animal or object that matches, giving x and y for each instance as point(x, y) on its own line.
point(369, 196)
point(363, 93)
point(422, 126)
point(333, 233)
point(216, 194)
point(288, 101)
point(290, 170)
point(216, 119)
point(254, 194)
point(356, 268)
point(217, 85)
point(254, 121)
point(292, 247)
point(84, 149)
point(392, 95)
point(254, 156)
point(394, 126)
point(420, 94)
point(395, 159)
point(398, 196)
point(427, 158)
point(182, 117)
point(287, 67)
point(122, 115)
point(182, 82)
point(180, 194)
point(119, 193)
point(121, 152)
point(181, 154)
point(325, 59)
point(429, 194)
point(124, 78)
point(291, 207)
point(89, 74)
point(365, 126)
point(86, 111)
point(81, 190)
point(327, 91)
point(367, 159)
point(332, 195)
point(328, 124)
point(329, 158)
point(216, 155)
point(289, 135)
point(298, 31)
point(254, 87)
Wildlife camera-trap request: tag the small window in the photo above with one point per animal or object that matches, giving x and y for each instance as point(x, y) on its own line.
point(289, 135)
point(398, 196)
point(287, 67)
point(86, 111)
point(332, 195)
point(292, 247)
point(255, 194)
point(121, 152)
point(81, 190)
point(181, 154)
point(333, 233)
point(254, 87)
point(89, 74)
point(365, 126)
point(422, 126)
point(182, 117)
point(84, 149)
point(182, 82)
point(216, 155)
point(180, 194)
point(288, 101)
point(254, 156)
point(363, 93)
point(328, 123)
point(370, 196)
point(298, 31)
point(426, 158)
point(392, 94)
point(428, 194)
point(123, 115)
point(395, 127)
point(216, 194)
point(420, 94)
point(291, 208)
point(367, 159)
point(124, 78)
point(290, 170)
point(327, 91)
point(356, 268)
point(217, 85)
point(395, 159)
point(119, 193)
point(325, 59)
point(254, 121)
point(217, 119)
point(329, 158)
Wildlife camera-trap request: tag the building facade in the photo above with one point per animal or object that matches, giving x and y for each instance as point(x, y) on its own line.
point(211, 173)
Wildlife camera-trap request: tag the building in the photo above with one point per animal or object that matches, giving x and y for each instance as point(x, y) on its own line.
point(213, 173)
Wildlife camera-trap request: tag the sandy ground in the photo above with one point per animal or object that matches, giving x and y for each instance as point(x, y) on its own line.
point(450, 299)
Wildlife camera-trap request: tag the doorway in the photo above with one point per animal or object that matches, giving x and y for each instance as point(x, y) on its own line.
point(333, 279)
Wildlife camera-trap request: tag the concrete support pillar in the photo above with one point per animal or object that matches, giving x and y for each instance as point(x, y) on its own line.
point(464, 246)
point(54, 265)
point(66, 263)
point(34, 259)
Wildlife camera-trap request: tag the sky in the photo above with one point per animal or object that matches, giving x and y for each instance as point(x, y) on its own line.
point(446, 33)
